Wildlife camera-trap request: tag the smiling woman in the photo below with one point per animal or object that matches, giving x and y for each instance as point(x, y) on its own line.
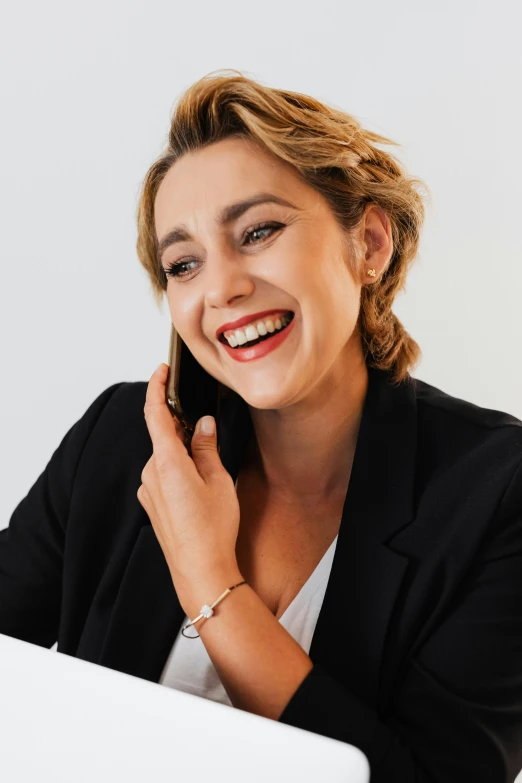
point(331, 165)
point(371, 522)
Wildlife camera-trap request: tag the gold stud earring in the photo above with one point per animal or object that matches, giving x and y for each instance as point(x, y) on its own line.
point(371, 272)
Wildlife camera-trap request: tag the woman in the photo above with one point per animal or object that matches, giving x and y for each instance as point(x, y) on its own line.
point(368, 524)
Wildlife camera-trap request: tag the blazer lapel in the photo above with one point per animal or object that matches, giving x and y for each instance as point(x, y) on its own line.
point(366, 574)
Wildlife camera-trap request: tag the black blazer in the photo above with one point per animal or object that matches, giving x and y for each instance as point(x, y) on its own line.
point(417, 651)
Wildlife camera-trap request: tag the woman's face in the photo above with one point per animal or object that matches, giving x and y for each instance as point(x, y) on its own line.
point(296, 262)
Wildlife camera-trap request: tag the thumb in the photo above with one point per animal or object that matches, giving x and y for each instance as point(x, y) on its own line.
point(203, 447)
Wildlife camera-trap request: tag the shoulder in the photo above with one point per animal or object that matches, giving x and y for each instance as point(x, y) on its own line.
point(453, 423)
point(440, 404)
point(114, 423)
point(475, 450)
point(132, 392)
point(122, 400)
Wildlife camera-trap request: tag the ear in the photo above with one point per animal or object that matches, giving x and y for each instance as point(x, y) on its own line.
point(376, 242)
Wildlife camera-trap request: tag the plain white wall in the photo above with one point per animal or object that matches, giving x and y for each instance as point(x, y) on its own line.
point(86, 93)
point(87, 89)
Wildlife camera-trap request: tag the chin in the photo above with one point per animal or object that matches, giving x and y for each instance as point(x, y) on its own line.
point(272, 399)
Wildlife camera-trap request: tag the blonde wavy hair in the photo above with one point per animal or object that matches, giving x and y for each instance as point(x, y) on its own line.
point(332, 153)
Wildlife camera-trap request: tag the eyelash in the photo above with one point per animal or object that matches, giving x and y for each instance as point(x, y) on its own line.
point(172, 269)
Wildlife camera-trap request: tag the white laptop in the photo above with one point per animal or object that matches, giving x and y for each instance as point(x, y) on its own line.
point(63, 719)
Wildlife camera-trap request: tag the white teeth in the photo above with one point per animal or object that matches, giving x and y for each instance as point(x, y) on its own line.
point(253, 331)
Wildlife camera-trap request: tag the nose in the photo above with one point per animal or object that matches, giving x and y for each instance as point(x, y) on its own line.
point(226, 279)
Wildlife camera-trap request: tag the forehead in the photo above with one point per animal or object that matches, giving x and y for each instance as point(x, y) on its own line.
point(203, 181)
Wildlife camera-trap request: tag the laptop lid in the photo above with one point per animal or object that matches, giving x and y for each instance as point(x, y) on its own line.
point(63, 719)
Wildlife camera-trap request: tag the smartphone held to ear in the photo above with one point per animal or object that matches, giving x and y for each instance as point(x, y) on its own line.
point(201, 390)
point(172, 386)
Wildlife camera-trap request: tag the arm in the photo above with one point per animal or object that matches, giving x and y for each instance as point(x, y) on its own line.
point(456, 714)
point(259, 663)
point(31, 547)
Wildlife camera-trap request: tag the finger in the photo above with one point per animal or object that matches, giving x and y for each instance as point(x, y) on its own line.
point(164, 430)
point(177, 425)
point(204, 449)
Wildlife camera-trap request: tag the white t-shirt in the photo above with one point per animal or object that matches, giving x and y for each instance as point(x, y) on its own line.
point(189, 667)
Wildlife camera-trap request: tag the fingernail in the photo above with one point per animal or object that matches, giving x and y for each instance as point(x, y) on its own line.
point(207, 425)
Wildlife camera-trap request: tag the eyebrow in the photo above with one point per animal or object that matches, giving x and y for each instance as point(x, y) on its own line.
point(227, 215)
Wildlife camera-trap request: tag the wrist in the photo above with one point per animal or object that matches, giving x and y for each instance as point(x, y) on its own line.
point(206, 588)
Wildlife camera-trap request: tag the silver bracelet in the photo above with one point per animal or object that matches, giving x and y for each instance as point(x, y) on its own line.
point(207, 611)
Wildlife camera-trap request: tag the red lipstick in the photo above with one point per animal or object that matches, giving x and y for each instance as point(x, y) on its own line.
point(246, 353)
point(247, 319)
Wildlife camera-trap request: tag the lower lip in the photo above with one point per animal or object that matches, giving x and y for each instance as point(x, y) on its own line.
point(261, 349)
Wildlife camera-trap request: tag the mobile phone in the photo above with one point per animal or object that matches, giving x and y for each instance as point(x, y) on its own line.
point(190, 392)
point(172, 385)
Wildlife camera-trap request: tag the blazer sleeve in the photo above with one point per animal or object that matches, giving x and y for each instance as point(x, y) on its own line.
point(457, 711)
point(32, 546)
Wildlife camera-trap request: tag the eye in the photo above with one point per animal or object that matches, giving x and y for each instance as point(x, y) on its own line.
point(263, 227)
point(176, 269)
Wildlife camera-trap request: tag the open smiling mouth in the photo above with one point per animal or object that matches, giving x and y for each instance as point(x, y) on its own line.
point(289, 316)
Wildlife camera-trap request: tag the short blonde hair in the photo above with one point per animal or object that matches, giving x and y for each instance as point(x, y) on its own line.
point(332, 153)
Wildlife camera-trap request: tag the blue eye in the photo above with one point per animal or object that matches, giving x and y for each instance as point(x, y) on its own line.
point(262, 227)
point(175, 269)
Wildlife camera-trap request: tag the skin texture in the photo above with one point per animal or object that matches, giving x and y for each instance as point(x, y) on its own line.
point(305, 397)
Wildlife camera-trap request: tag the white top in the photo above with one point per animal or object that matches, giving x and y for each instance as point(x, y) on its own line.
point(189, 667)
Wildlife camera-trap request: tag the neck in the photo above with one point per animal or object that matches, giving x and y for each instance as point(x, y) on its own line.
point(302, 455)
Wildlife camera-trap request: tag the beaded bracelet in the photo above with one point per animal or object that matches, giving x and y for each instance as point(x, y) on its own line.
point(208, 611)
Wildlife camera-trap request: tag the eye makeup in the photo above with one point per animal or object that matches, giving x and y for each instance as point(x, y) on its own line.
point(176, 269)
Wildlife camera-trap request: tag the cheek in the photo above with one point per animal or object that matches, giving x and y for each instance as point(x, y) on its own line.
point(184, 313)
point(348, 307)
point(344, 288)
point(351, 298)
point(329, 282)
point(335, 302)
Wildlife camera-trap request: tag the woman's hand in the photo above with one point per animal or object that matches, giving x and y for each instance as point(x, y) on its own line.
point(191, 501)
